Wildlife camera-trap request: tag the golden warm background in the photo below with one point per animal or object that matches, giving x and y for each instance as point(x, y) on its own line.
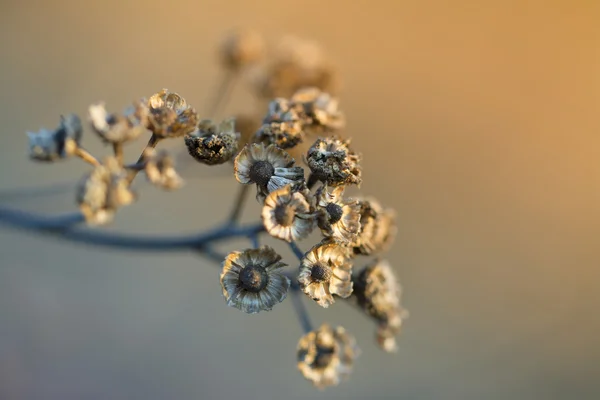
point(478, 123)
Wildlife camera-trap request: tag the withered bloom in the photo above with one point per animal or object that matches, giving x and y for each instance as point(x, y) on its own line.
point(324, 271)
point(333, 162)
point(119, 128)
point(269, 167)
point(377, 228)
point(281, 126)
point(170, 115)
point(241, 48)
point(326, 356)
point(378, 293)
point(251, 281)
point(287, 215)
point(339, 219)
point(103, 191)
point(317, 109)
point(213, 144)
point(160, 170)
point(50, 145)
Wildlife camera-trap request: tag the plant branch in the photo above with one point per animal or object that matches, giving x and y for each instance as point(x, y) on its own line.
point(152, 142)
point(86, 156)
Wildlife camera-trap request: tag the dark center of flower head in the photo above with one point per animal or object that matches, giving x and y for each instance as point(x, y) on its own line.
point(253, 278)
point(320, 273)
point(324, 356)
point(261, 172)
point(284, 215)
point(335, 212)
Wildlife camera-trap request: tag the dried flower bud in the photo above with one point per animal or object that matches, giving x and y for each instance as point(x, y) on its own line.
point(103, 191)
point(213, 144)
point(326, 356)
point(287, 215)
point(170, 115)
point(116, 128)
point(318, 110)
point(339, 219)
point(378, 293)
point(160, 170)
point(377, 228)
point(324, 271)
point(333, 162)
point(50, 145)
point(251, 280)
point(241, 48)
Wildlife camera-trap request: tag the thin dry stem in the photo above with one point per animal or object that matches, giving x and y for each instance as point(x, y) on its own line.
point(152, 142)
point(86, 156)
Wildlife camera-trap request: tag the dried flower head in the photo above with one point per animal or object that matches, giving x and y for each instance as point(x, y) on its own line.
point(324, 271)
point(160, 170)
point(50, 145)
point(170, 115)
point(251, 281)
point(269, 167)
point(241, 48)
point(119, 128)
point(103, 191)
point(378, 293)
point(339, 219)
point(286, 215)
point(326, 356)
point(377, 228)
point(213, 144)
point(318, 109)
point(332, 162)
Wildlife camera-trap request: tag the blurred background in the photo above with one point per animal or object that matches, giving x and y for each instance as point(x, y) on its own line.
point(478, 122)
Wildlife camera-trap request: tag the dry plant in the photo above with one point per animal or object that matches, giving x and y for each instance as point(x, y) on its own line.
point(297, 85)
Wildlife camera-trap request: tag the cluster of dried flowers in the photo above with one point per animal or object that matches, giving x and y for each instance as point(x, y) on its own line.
point(296, 200)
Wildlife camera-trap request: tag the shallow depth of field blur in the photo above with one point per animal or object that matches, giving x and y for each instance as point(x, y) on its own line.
point(478, 122)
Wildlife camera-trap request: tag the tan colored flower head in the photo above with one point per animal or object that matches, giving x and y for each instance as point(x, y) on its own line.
point(241, 48)
point(103, 191)
point(269, 167)
point(213, 144)
point(377, 228)
point(287, 215)
point(119, 128)
point(333, 162)
point(326, 356)
point(50, 145)
point(251, 281)
point(170, 115)
point(339, 219)
point(160, 170)
point(378, 293)
point(324, 271)
point(318, 109)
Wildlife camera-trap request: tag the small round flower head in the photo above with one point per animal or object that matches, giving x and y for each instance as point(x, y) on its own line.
point(326, 356)
point(339, 219)
point(241, 48)
point(103, 191)
point(281, 126)
point(50, 145)
point(332, 162)
point(170, 115)
point(378, 293)
point(318, 109)
point(377, 228)
point(269, 167)
point(160, 170)
point(324, 271)
point(119, 128)
point(213, 144)
point(251, 280)
point(287, 215)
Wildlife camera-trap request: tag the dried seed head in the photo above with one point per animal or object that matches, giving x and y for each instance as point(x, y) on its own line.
point(318, 110)
point(339, 218)
point(213, 144)
point(170, 116)
point(241, 48)
point(333, 162)
point(251, 280)
point(287, 215)
point(326, 356)
point(377, 228)
point(160, 170)
point(50, 145)
point(119, 128)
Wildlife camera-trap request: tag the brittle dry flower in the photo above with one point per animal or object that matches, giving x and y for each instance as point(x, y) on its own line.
point(170, 115)
point(281, 126)
point(326, 356)
point(378, 293)
point(377, 228)
point(213, 144)
point(318, 109)
point(50, 145)
point(251, 281)
point(287, 215)
point(333, 162)
point(324, 271)
point(117, 128)
point(160, 170)
point(339, 219)
point(269, 167)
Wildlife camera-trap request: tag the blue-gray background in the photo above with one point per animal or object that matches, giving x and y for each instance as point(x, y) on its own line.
point(478, 122)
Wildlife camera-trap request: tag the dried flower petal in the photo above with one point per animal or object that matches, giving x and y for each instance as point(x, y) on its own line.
point(117, 128)
point(160, 170)
point(318, 109)
point(377, 228)
point(170, 115)
point(287, 215)
point(339, 219)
